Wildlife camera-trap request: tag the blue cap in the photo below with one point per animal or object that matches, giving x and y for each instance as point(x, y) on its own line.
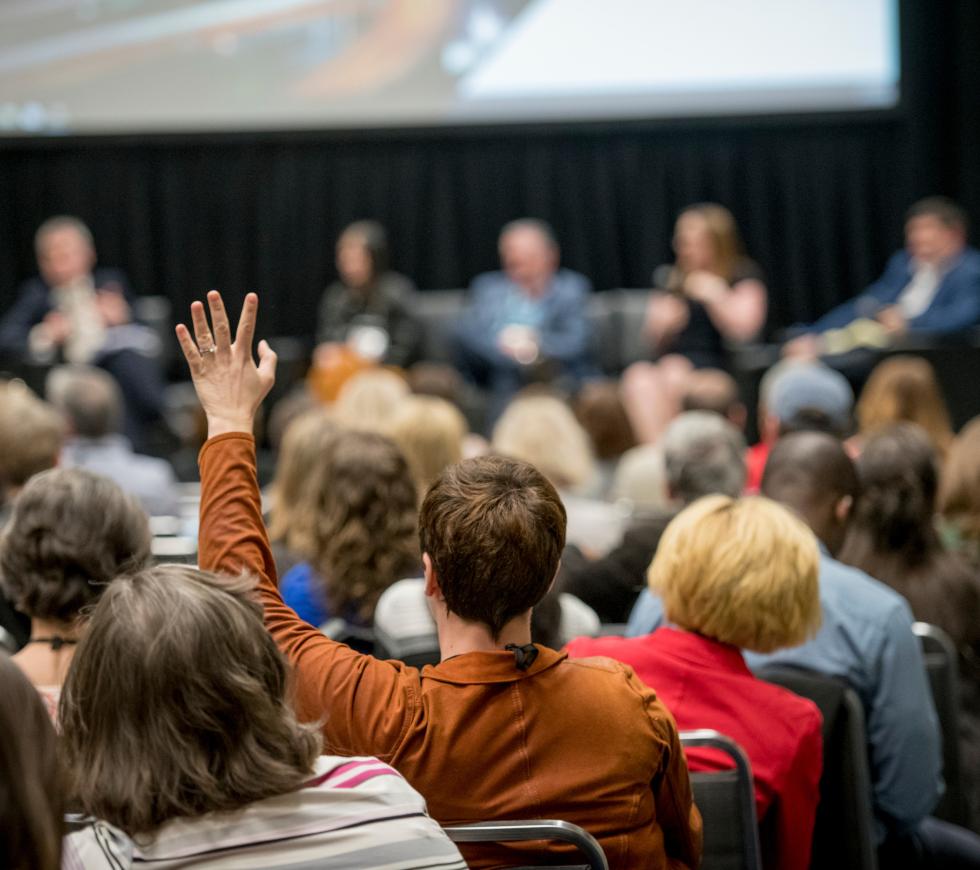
point(814, 387)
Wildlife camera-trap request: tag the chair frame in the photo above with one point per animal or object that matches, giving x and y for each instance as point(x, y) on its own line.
point(712, 739)
point(534, 829)
point(933, 639)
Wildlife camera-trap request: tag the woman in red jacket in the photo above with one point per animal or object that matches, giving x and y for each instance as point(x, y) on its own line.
point(737, 574)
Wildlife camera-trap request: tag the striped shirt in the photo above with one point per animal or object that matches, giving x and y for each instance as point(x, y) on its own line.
point(354, 813)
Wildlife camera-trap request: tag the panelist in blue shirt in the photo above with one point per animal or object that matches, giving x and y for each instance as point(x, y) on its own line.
point(931, 287)
point(526, 322)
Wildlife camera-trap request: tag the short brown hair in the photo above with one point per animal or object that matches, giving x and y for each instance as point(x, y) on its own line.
point(31, 433)
point(71, 533)
point(742, 572)
point(599, 408)
point(494, 529)
point(176, 703)
point(31, 824)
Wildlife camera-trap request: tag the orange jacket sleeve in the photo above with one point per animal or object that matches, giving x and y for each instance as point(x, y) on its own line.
point(365, 706)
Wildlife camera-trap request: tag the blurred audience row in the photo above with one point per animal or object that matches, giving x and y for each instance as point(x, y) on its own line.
point(395, 529)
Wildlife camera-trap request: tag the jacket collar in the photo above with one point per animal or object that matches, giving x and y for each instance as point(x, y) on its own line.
point(479, 668)
point(699, 650)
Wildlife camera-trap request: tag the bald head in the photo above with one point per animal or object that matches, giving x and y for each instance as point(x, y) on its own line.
point(811, 473)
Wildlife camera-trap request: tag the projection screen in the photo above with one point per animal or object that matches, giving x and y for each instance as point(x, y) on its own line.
point(130, 66)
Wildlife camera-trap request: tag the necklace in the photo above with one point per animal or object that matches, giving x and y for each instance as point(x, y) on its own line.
point(56, 641)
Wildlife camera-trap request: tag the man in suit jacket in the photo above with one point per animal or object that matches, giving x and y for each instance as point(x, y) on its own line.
point(932, 286)
point(526, 322)
point(78, 313)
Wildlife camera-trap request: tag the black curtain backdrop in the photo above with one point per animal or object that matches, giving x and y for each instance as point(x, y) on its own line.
point(820, 199)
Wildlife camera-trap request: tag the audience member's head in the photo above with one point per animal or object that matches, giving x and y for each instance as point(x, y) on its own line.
point(706, 238)
point(65, 250)
point(716, 391)
point(362, 254)
point(176, 703)
point(368, 400)
point(894, 537)
point(811, 473)
point(959, 489)
point(600, 410)
point(71, 533)
point(704, 454)
point(436, 379)
point(899, 473)
point(904, 389)
point(430, 432)
point(31, 787)
point(641, 479)
point(935, 229)
point(529, 254)
point(363, 507)
point(742, 572)
point(31, 434)
point(88, 397)
point(809, 397)
point(288, 409)
point(542, 430)
point(304, 443)
point(491, 531)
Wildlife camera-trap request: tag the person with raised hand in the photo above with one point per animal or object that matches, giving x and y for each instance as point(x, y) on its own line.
point(182, 748)
point(501, 728)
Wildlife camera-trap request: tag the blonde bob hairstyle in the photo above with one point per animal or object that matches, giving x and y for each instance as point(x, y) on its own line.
point(430, 432)
point(542, 430)
point(741, 571)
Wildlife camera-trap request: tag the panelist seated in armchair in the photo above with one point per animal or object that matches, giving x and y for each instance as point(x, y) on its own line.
point(526, 322)
point(77, 312)
point(930, 287)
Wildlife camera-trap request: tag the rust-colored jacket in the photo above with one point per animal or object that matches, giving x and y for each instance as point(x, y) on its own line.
point(581, 740)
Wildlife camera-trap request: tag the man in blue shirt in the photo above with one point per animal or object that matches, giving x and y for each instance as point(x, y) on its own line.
point(866, 638)
point(931, 287)
point(526, 322)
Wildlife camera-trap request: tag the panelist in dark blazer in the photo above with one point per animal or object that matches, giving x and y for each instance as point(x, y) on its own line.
point(931, 287)
point(78, 313)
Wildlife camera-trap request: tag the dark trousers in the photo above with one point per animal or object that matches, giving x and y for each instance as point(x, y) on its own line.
point(933, 845)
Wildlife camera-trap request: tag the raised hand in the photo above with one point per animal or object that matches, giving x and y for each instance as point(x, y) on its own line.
point(229, 385)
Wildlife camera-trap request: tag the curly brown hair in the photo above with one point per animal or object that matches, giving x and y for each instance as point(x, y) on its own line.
point(71, 533)
point(364, 501)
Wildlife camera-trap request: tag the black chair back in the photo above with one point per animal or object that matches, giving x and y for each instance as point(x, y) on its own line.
point(942, 666)
point(726, 800)
point(844, 833)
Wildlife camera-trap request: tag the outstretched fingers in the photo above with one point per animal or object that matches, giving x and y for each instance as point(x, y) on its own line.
point(190, 349)
point(202, 332)
point(267, 364)
point(246, 324)
point(219, 319)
